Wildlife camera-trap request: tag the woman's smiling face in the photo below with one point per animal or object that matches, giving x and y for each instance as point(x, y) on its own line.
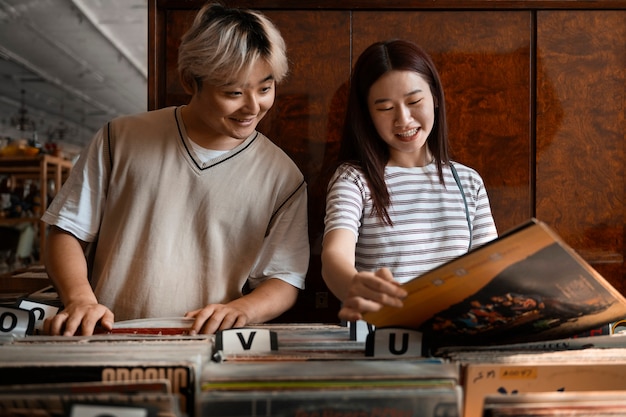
point(403, 111)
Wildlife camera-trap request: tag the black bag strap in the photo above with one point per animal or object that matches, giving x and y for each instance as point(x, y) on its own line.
point(467, 214)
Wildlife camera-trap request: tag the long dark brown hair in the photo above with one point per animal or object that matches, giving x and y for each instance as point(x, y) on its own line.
point(361, 144)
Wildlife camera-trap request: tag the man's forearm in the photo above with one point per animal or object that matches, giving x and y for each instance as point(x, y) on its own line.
point(268, 301)
point(67, 267)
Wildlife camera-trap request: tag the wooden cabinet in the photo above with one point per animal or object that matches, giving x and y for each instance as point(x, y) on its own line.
point(535, 92)
point(47, 174)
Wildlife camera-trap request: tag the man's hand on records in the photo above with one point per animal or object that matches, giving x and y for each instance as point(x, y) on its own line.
point(370, 291)
point(80, 319)
point(216, 317)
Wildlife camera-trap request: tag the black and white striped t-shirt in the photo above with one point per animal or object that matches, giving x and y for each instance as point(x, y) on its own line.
point(429, 219)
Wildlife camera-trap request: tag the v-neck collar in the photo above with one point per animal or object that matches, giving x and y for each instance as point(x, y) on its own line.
point(191, 155)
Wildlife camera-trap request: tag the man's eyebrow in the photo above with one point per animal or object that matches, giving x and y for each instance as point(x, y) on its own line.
point(264, 80)
point(410, 93)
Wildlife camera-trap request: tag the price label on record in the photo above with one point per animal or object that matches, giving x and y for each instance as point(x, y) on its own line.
point(98, 410)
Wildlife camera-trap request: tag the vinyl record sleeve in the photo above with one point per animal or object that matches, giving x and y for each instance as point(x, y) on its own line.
point(527, 285)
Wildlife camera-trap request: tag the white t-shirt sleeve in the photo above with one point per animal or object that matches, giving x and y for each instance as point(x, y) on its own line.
point(77, 208)
point(345, 201)
point(484, 227)
point(285, 253)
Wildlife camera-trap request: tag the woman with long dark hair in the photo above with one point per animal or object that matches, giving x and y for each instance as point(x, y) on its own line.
point(397, 205)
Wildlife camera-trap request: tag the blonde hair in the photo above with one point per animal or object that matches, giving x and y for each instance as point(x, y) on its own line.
point(224, 43)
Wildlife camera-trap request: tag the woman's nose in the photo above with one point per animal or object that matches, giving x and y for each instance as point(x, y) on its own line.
point(403, 116)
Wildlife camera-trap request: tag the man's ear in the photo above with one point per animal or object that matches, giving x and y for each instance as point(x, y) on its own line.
point(189, 83)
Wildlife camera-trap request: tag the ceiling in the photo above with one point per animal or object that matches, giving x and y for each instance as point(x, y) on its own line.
point(68, 66)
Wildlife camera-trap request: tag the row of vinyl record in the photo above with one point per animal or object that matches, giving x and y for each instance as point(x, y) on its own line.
point(319, 374)
point(308, 371)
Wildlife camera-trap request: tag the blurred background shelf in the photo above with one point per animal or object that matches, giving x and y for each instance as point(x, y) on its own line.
point(28, 184)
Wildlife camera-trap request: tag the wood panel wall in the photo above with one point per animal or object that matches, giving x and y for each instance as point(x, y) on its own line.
point(535, 92)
